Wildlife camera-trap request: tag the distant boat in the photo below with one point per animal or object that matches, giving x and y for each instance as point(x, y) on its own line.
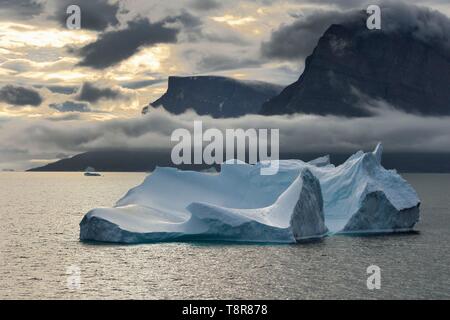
point(90, 172)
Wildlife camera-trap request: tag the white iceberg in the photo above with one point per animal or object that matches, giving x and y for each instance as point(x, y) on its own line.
point(238, 204)
point(90, 172)
point(302, 201)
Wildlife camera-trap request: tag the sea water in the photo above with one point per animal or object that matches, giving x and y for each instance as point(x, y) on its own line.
point(42, 258)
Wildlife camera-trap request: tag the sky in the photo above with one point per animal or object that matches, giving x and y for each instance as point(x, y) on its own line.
point(67, 91)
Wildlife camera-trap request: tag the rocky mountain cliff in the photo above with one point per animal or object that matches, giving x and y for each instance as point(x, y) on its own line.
point(219, 97)
point(351, 63)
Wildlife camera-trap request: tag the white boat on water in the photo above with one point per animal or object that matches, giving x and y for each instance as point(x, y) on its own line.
point(90, 172)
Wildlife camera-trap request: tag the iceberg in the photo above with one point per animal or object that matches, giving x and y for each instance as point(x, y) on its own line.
point(90, 172)
point(302, 201)
point(242, 205)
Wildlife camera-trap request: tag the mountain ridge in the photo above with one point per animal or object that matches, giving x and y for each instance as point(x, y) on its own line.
point(148, 160)
point(351, 65)
point(219, 97)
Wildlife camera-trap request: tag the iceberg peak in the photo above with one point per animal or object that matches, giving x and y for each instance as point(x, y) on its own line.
point(321, 162)
point(378, 152)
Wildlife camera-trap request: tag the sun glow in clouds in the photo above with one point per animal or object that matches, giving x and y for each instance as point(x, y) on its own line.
point(149, 59)
point(14, 35)
point(63, 75)
point(234, 20)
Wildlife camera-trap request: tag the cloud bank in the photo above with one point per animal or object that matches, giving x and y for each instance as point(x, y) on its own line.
point(41, 139)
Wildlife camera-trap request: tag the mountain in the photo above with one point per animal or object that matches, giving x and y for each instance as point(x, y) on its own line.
point(219, 97)
point(351, 62)
point(146, 160)
point(116, 161)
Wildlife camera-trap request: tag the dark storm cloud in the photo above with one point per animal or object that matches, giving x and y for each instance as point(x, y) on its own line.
point(20, 96)
point(20, 8)
point(346, 4)
point(186, 19)
point(96, 15)
point(362, 4)
point(425, 24)
point(297, 40)
point(115, 46)
point(204, 5)
point(90, 93)
point(70, 106)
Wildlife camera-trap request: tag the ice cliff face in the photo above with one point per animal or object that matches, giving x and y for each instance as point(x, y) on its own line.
point(302, 201)
point(360, 196)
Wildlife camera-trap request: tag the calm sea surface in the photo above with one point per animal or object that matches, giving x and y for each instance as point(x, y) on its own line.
point(40, 213)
